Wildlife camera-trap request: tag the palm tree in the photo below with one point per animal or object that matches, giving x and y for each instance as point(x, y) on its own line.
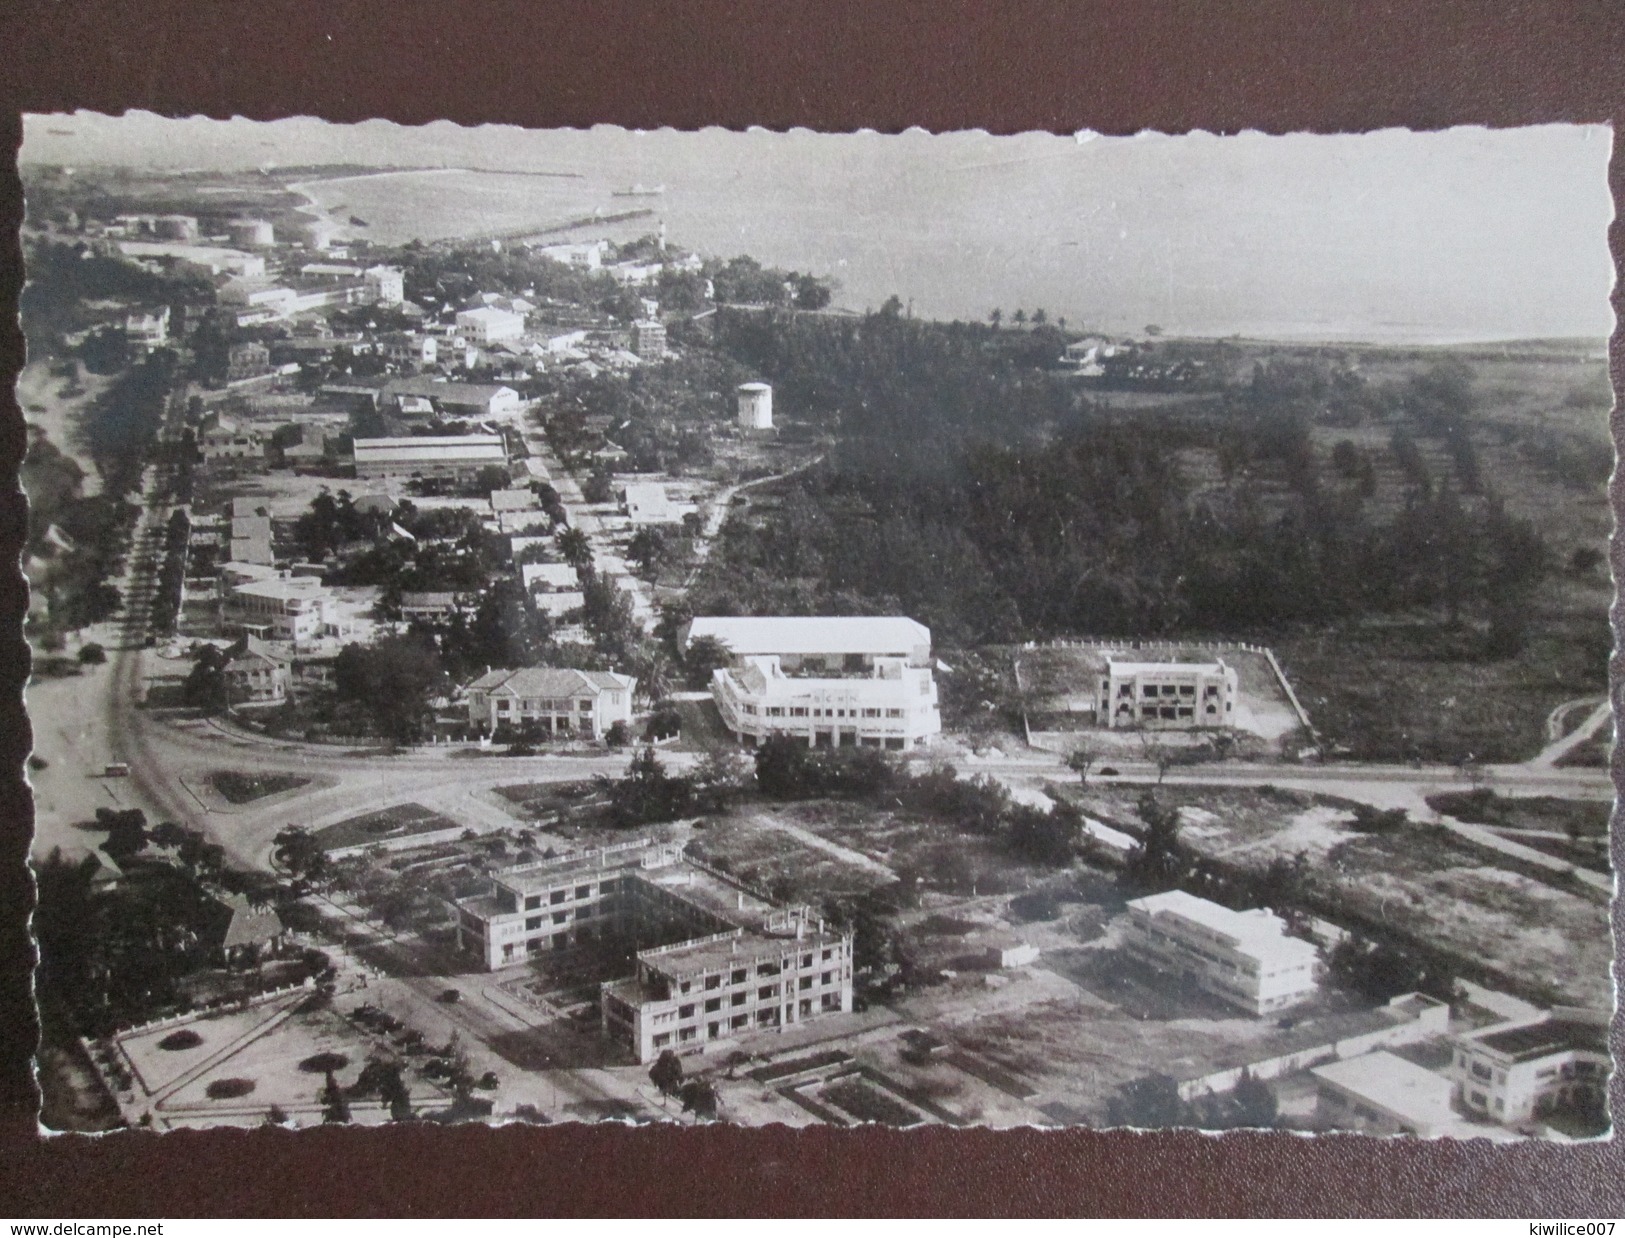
point(996, 317)
point(575, 548)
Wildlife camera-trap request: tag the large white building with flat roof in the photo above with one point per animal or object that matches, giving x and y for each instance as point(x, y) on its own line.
point(808, 642)
point(835, 681)
point(1244, 957)
point(888, 705)
point(489, 325)
point(1381, 1093)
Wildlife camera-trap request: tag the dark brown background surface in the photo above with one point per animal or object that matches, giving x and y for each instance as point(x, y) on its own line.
point(830, 65)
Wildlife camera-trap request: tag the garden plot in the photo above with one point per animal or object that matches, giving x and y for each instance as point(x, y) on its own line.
point(772, 851)
point(231, 1068)
point(387, 825)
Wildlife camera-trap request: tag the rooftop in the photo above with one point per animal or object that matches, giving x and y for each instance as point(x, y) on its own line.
point(540, 875)
point(1416, 1096)
point(474, 447)
point(813, 634)
point(1256, 931)
point(446, 392)
point(1548, 1036)
point(1123, 666)
point(551, 681)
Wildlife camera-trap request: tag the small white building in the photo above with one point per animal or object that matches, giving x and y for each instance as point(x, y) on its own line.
point(224, 438)
point(1381, 1093)
point(755, 406)
point(489, 325)
point(1166, 695)
point(1523, 1068)
point(648, 503)
point(1245, 957)
point(583, 703)
point(147, 329)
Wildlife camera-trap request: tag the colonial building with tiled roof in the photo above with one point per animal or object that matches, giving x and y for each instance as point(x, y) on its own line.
point(559, 701)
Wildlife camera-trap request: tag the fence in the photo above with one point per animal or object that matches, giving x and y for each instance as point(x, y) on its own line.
point(1427, 1018)
point(1170, 648)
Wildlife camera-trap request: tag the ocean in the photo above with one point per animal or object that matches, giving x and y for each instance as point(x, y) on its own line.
point(1111, 236)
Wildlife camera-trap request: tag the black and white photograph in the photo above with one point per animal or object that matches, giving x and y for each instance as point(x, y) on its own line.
point(819, 629)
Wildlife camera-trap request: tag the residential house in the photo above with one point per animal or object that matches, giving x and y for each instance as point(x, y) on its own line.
point(256, 676)
point(560, 701)
point(648, 503)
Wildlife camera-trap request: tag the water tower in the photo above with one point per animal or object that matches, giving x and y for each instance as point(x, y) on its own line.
point(755, 406)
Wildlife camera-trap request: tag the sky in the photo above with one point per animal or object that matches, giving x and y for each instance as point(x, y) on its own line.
point(1461, 233)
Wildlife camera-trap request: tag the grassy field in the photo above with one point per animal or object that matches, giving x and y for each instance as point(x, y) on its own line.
point(1423, 880)
point(398, 821)
point(1409, 687)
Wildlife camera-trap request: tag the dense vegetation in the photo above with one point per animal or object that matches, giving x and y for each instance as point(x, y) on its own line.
point(982, 494)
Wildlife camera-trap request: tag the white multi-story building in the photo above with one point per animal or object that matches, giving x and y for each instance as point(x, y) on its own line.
point(835, 681)
point(649, 340)
point(1522, 1069)
point(147, 330)
point(1245, 957)
point(489, 325)
point(890, 705)
point(1166, 695)
point(292, 608)
point(714, 961)
point(583, 703)
point(585, 255)
point(385, 285)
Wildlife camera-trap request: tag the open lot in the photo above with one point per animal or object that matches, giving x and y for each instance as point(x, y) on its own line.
point(1421, 879)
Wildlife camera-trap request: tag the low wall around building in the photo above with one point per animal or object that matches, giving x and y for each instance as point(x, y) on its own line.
point(1431, 1019)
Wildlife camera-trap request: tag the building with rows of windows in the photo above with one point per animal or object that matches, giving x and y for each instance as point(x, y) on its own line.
point(1523, 1069)
point(1244, 957)
point(1167, 695)
point(713, 961)
point(834, 681)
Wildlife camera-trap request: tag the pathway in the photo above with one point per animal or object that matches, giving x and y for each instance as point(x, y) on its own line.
point(1561, 747)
